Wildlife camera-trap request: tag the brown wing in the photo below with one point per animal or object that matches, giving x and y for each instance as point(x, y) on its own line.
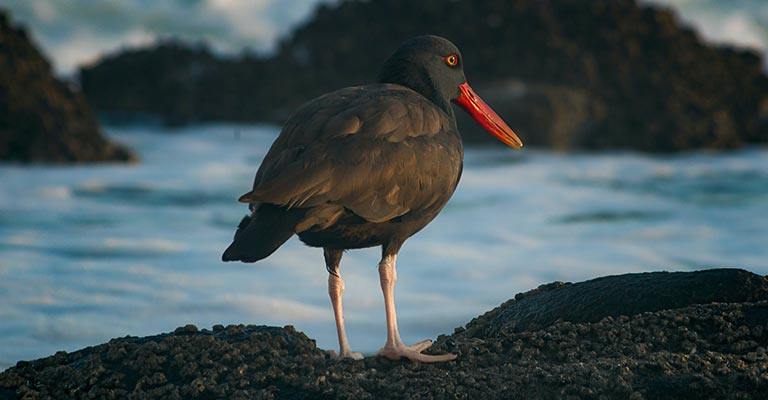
point(380, 151)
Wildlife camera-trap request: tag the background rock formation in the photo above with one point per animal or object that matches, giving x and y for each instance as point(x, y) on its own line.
point(564, 73)
point(43, 119)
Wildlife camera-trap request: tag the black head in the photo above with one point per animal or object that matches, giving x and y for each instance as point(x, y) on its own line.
point(432, 66)
point(429, 65)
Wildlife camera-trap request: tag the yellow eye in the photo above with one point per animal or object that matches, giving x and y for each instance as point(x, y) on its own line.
point(451, 60)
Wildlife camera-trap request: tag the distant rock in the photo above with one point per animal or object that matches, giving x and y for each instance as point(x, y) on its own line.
point(564, 73)
point(701, 335)
point(177, 83)
point(42, 119)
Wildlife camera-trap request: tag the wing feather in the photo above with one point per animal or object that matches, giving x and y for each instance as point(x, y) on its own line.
point(373, 151)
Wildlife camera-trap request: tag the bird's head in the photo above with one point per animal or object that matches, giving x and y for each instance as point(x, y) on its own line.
point(433, 66)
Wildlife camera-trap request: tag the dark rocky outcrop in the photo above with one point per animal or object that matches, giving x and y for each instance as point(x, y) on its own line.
point(42, 119)
point(177, 83)
point(628, 294)
point(564, 73)
point(683, 343)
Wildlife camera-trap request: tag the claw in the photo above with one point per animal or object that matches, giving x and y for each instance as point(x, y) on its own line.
point(414, 353)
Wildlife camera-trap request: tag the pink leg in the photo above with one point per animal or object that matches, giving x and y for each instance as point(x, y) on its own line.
point(394, 348)
point(336, 290)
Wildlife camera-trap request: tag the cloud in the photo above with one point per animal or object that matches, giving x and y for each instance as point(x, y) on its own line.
point(76, 32)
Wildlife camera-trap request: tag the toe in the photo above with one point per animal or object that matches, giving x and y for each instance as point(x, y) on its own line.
point(414, 353)
point(350, 355)
point(419, 347)
point(391, 353)
point(428, 358)
point(353, 355)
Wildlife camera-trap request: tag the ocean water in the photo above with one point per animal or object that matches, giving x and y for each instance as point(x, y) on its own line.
point(88, 253)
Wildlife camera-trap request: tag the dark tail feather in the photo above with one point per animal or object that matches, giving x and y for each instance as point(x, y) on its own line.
point(258, 235)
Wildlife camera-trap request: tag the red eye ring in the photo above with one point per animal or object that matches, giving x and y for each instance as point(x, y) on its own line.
point(452, 60)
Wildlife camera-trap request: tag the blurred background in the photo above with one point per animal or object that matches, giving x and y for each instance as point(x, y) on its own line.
point(129, 128)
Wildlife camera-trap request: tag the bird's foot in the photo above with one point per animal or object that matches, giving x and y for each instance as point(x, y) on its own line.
point(397, 351)
point(352, 355)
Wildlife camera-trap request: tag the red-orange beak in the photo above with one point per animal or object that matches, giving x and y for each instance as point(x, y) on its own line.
point(486, 117)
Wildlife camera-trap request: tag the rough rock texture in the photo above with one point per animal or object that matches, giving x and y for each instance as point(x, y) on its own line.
point(563, 73)
point(42, 119)
point(699, 351)
point(628, 294)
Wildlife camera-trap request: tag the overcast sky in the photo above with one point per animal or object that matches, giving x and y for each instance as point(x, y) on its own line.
point(74, 32)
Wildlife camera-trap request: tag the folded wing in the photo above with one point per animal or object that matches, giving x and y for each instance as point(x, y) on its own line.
point(379, 153)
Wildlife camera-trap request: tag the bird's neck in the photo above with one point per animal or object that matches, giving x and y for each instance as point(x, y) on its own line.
point(419, 82)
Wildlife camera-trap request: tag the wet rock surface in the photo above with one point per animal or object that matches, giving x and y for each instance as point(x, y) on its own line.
point(43, 119)
point(697, 351)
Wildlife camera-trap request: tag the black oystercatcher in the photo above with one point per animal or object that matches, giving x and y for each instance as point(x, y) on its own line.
point(367, 166)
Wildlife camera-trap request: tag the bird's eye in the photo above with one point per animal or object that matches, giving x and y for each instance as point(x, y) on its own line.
point(452, 60)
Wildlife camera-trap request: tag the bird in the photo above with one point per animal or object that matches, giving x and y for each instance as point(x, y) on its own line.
point(368, 166)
